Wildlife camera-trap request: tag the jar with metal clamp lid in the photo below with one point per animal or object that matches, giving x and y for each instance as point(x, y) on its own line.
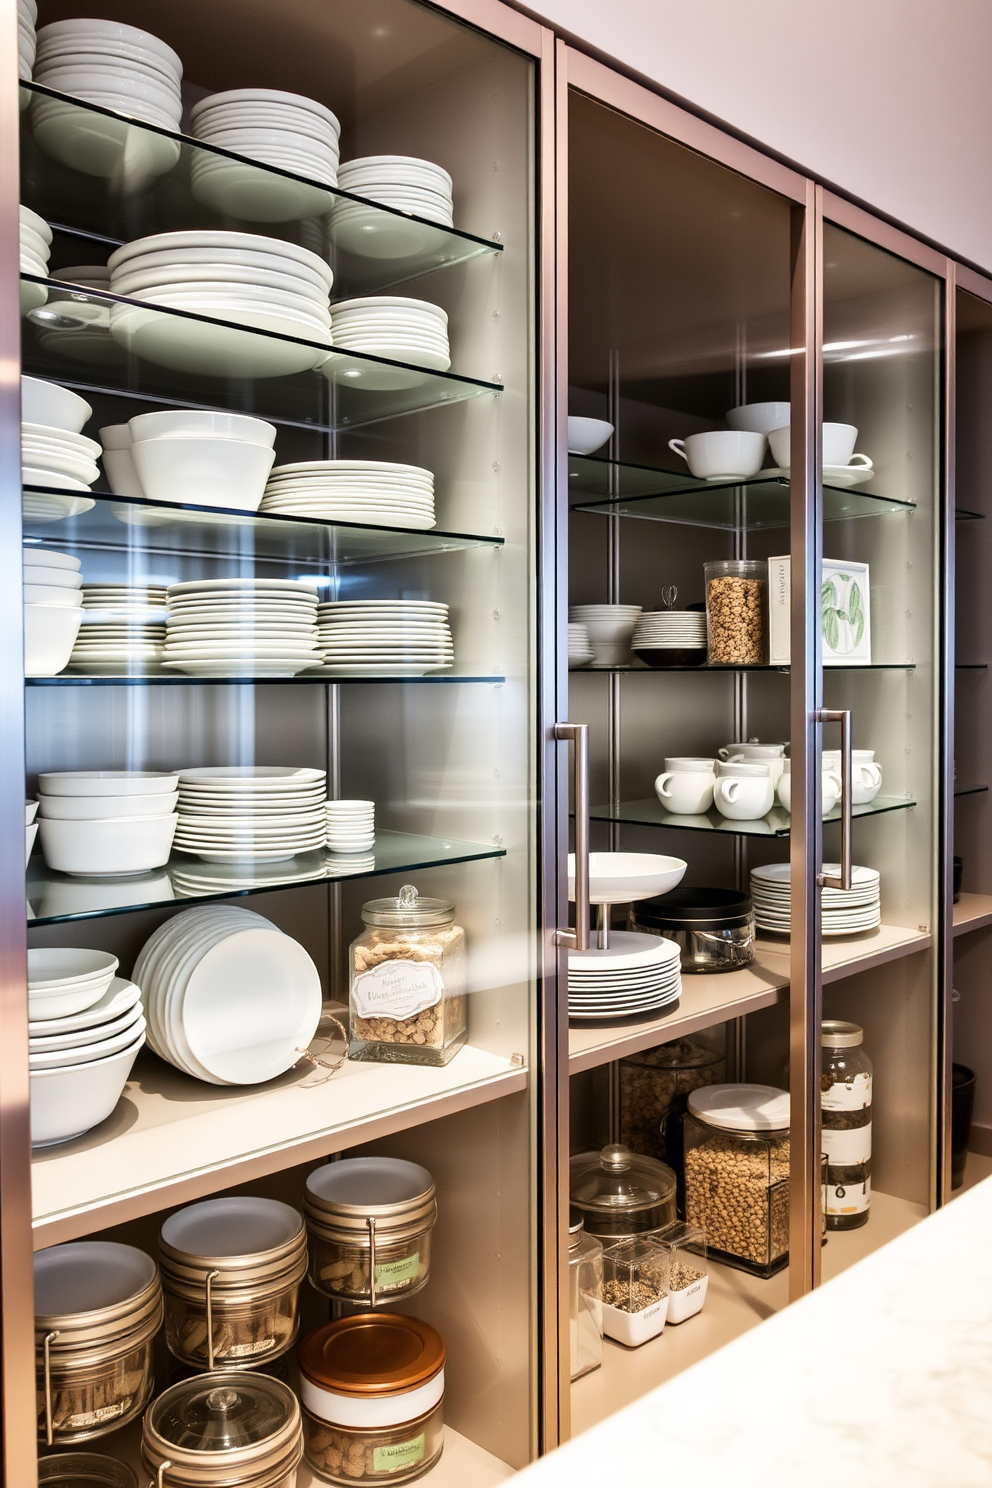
point(369, 1222)
point(229, 1429)
point(845, 1108)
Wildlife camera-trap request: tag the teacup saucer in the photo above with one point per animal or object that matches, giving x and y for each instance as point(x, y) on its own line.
point(833, 475)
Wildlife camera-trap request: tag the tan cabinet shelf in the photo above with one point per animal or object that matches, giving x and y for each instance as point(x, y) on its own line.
point(972, 912)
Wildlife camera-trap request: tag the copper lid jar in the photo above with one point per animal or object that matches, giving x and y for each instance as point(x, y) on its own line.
point(369, 1222)
point(224, 1428)
point(231, 1272)
point(372, 1388)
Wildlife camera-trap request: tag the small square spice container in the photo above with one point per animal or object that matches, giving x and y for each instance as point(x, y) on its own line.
point(635, 1290)
point(688, 1277)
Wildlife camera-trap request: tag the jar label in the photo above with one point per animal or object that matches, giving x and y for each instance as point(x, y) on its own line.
point(397, 989)
point(98, 1417)
point(847, 1198)
point(844, 1149)
point(853, 1095)
point(254, 1346)
point(397, 1273)
point(398, 1455)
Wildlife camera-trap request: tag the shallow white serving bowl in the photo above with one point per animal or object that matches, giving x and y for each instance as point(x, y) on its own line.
point(203, 471)
point(34, 475)
point(56, 578)
point(53, 594)
point(119, 997)
point(587, 434)
point(67, 1102)
point(48, 558)
point(107, 782)
point(49, 635)
point(621, 878)
point(99, 808)
point(194, 422)
point(759, 418)
point(58, 966)
point(109, 847)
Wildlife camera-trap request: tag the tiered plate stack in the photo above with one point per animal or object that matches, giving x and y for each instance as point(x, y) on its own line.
point(36, 246)
point(370, 491)
point(115, 66)
point(845, 911)
point(245, 813)
point(284, 130)
point(350, 826)
point(636, 975)
point(411, 331)
point(123, 629)
point(241, 628)
point(580, 651)
point(385, 637)
point(670, 638)
point(27, 43)
point(417, 188)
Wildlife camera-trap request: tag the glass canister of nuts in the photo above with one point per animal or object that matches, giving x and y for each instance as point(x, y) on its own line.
point(654, 1088)
point(408, 1003)
point(737, 1173)
point(372, 1387)
point(98, 1309)
point(231, 1273)
point(736, 612)
point(845, 1106)
point(238, 1430)
point(369, 1222)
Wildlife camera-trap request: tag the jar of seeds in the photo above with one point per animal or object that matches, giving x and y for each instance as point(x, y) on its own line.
point(369, 1223)
point(408, 1003)
point(737, 1173)
point(736, 612)
point(635, 1290)
point(688, 1278)
point(845, 1105)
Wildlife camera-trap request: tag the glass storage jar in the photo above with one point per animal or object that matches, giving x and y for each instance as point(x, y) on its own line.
point(619, 1193)
point(236, 1429)
point(654, 1088)
point(635, 1290)
point(845, 1107)
point(369, 1223)
point(372, 1387)
point(688, 1278)
point(84, 1470)
point(98, 1308)
point(407, 970)
point(713, 928)
point(736, 612)
point(231, 1273)
point(585, 1299)
point(737, 1173)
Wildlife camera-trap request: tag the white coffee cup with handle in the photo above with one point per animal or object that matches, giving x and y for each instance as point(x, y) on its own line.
point(743, 790)
point(866, 775)
point(830, 789)
point(838, 446)
point(686, 787)
point(721, 454)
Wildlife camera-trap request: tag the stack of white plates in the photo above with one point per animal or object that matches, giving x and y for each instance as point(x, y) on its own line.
point(229, 998)
point(845, 911)
point(411, 331)
point(285, 130)
point(579, 646)
point(115, 66)
point(241, 628)
point(27, 42)
point(57, 457)
point(238, 278)
point(53, 417)
point(36, 246)
point(385, 637)
point(196, 878)
point(53, 610)
point(133, 603)
point(350, 826)
point(402, 182)
point(268, 813)
point(123, 629)
point(637, 974)
point(372, 491)
point(667, 635)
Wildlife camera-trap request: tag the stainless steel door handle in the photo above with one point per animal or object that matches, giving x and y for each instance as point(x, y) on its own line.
point(577, 734)
point(832, 880)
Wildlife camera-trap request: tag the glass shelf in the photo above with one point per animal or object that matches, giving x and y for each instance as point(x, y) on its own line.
point(776, 824)
point(171, 679)
point(962, 515)
point(969, 790)
point(971, 666)
point(732, 671)
point(159, 354)
point(56, 897)
point(157, 168)
point(616, 489)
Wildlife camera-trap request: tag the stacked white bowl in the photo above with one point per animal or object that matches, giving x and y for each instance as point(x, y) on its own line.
point(113, 65)
point(241, 279)
point(107, 822)
point(610, 629)
point(118, 466)
point(229, 998)
point(266, 813)
point(843, 911)
point(370, 491)
point(403, 330)
point(36, 247)
point(85, 1029)
point(53, 452)
point(30, 828)
point(53, 610)
point(242, 627)
point(285, 130)
point(199, 458)
point(385, 637)
point(123, 629)
point(27, 43)
point(350, 826)
point(580, 650)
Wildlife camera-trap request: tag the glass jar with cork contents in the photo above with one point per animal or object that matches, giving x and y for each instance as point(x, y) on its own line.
point(736, 612)
point(407, 971)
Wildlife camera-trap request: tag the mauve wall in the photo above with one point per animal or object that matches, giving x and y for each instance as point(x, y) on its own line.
point(889, 99)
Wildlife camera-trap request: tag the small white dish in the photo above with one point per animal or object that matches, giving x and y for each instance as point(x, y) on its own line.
point(47, 404)
point(621, 878)
point(586, 435)
point(119, 997)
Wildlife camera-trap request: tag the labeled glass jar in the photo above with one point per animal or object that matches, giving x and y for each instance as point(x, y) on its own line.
point(736, 612)
point(654, 1088)
point(407, 970)
point(237, 1430)
point(688, 1278)
point(635, 1290)
point(369, 1223)
point(372, 1387)
point(98, 1309)
point(231, 1273)
point(845, 1107)
point(619, 1193)
point(737, 1173)
point(713, 928)
point(585, 1299)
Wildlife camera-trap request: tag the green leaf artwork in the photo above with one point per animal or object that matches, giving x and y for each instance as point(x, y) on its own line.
point(843, 629)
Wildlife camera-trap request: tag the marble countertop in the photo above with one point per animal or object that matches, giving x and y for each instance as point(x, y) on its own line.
point(880, 1379)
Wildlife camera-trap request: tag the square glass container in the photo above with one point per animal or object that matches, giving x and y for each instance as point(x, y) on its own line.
point(635, 1290)
point(688, 1276)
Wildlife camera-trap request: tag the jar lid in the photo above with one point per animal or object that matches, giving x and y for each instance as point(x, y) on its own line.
point(408, 910)
point(619, 1182)
point(392, 1191)
point(698, 909)
point(225, 1419)
point(372, 1354)
point(576, 1228)
point(91, 1290)
point(836, 1034)
point(246, 1239)
point(742, 1108)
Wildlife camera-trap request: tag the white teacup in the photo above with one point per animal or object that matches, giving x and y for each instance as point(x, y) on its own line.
point(759, 418)
point(830, 789)
point(721, 454)
point(838, 446)
point(866, 775)
point(773, 755)
point(686, 787)
point(744, 796)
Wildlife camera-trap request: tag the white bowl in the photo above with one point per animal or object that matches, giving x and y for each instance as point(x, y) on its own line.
point(587, 434)
point(100, 808)
point(30, 811)
point(759, 418)
point(51, 967)
point(115, 845)
point(67, 1102)
point(107, 782)
point(621, 878)
point(52, 594)
point(86, 1053)
point(49, 558)
point(120, 997)
point(30, 833)
point(122, 478)
point(49, 635)
point(58, 578)
point(194, 421)
point(203, 471)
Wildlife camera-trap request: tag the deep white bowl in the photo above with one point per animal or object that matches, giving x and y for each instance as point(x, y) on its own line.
point(202, 424)
point(203, 471)
point(49, 558)
point(30, 833)
point(49, 635)
point(52, 594)
point(122, 478)
point(67, 1102)
point(116, 845)
point(759, 418)
point(107, 782)
point(59, 578)
point(621, 878)
point(99, 808)
point(585, 435)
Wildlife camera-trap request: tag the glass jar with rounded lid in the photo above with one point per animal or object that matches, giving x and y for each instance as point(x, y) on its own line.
point(84, 1470)
point(736, 612)
point(620, 1193)
point(845, 1108)
point(407, 981)
point(241, 1430)
point(369, 1223)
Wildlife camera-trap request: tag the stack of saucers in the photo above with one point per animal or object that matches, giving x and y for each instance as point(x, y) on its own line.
point(123, 629)
point(636, 975)
point(36, 246)
point(411, 331)
point(670, 638)
point(267, 813)
point(242, 627)
point(27, 43)
point(350, 826)
point(284, 130)
point(580, 651)
point(372, 491)
point(844, 911)
point(229, 998)
point(113, 65)
point(385, 637)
